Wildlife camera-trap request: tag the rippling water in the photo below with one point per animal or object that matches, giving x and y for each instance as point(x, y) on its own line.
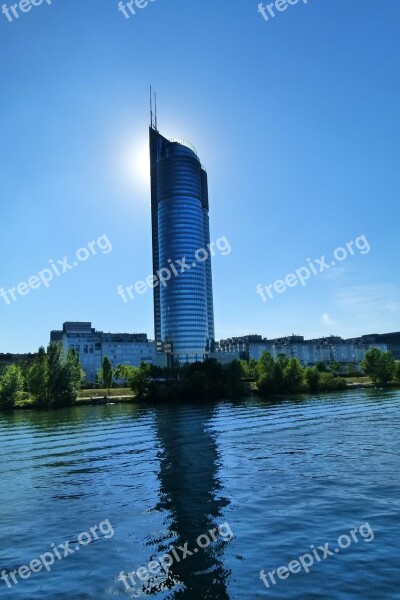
point(283, 475)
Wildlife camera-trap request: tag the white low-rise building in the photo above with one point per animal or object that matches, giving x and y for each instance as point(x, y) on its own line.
point(92, 346)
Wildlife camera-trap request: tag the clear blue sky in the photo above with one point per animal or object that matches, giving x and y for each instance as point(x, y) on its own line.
point(296, 120)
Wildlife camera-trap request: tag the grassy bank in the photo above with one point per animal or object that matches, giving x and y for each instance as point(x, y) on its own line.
point(85, 398)
point(100, 393)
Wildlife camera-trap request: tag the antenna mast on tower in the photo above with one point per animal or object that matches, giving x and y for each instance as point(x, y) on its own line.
point(153, 115)
point(151, 109)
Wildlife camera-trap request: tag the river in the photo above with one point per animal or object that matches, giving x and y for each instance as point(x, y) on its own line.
point(273, 481)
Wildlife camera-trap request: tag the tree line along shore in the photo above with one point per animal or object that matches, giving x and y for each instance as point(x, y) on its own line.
point(55, 379)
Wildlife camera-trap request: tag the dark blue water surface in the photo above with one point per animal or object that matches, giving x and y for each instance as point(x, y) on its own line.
point(281, 475)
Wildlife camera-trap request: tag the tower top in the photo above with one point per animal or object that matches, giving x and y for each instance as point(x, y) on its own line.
point(153, 115)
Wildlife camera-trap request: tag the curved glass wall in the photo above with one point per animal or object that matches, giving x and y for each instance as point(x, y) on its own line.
point(184, 315)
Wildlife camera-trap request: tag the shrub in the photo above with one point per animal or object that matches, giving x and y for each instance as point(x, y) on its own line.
point(11, 387)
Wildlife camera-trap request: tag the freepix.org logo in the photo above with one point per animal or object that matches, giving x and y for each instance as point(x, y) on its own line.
point(48, 559)
point(159, 567)
point(14, 11)
point(269, 10)
point(55, 269)
point(174, 269)
point(128, 9)
point(306, 561)
point(314, 267)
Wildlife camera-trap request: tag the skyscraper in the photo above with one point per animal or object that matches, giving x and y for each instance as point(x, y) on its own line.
point(183, 307)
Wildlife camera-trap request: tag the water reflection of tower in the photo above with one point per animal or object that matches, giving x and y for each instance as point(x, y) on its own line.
point(191, 495)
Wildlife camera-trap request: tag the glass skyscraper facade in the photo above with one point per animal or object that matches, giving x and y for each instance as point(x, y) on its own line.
point(183, 306)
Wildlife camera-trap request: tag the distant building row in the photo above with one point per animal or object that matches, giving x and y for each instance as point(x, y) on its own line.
point(133, 348)
point(309, 352)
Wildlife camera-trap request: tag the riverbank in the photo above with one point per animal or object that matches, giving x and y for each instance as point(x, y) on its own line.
point(100, 397)
point(55, 380)
point(89, 398)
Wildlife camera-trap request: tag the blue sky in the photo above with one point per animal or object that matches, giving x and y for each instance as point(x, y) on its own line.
point(296, 120)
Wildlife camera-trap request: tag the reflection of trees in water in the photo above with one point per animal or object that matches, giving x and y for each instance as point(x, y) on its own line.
point(190, 493)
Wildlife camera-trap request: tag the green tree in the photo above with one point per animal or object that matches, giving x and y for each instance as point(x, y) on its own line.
point(387, 367)
point(282, 360)
point(107, 373)
point(37, 379)
point(55, 379)
point(327, 381)
point(68, 379)
point(213, 370)
point(371, 364)
point(379, 366)
point(249, 368)
point(311, 378)
point(73, 376)
point(99, 377)
point(335, 368)
point(11, 387)
point(351, 370)
point(293, 375)
point(124, 373)
point(140, 381)
point(321, 366)
point(195, 388)
point(253, 368)
point(266, 372)
point(64, 376)
point(233, 373)
point(266, 365)
point(396, 371)
point(3, 369)
point(244, 365)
